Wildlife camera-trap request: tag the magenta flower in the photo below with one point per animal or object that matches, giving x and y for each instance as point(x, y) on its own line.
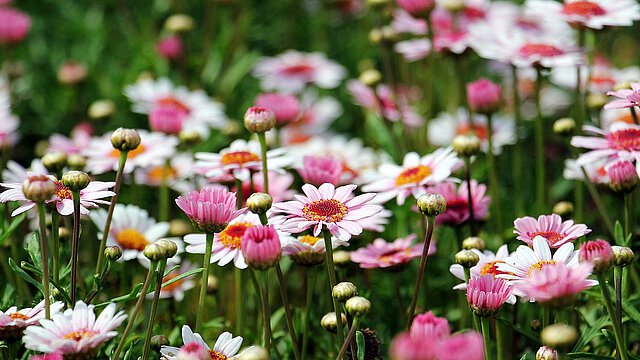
point(406, 347)
point(170, 47)
point(550, 227)
point(80, 139)
point(193, 351)
point(430, 326)
point(468, 346)
point(261, 247)
point(458, 202)
point(556, 284)
point(622, 175)
point(286, 107)
point(168, 117)
point(598, 253)
point(628, 98)
point(622, 140)
point(54, 356)
point(483, 96)
point(210, 209)
point(416, 7)
point(382, 254)
point(317, 170)
point(328, 208)
point(486, 294)
point(14, 25)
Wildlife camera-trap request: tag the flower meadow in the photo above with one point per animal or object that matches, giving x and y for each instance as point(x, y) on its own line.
point(348, 179)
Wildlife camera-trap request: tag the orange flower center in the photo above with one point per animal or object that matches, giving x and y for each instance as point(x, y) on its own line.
point(298, 69)
point(132, 153)
point(542, 50)
point(131, 239)
point(308, 239)
point(216, 355)
point(79, 335)
point(327, 210)
point(231, 236)
point(626, 139)
point(62, 191)
point(173, 102)
point(387, 256)
point(539, 265)
point(18, 316)
point(413, 175)
point(492, 268)
point(173, 285)
point(239, 157)
point(625, 117)
point(479, 130)
point(583, 8)
point(157, 173)
point(551, 236)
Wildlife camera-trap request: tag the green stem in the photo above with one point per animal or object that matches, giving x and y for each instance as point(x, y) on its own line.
point(602, 209)
point(265, 170)
point(240, 307)
point(517, 151)
point(287, 311)
point(311, 277)
point(332, 282)
point(486, 336)
point(628, 210)
point(345, 345)
point(164, 193)
point(266, 313)
point(467, 172)
point(257, 287)
point(617, 331)
point(154, 308)
point(206, 261)
point(423, 262)
point(55, 239)
point(239, 197)
point(539, 146)
point(112, 206)
point(617, 284)
point(500, 340)
point(546, 316)
point(136, 309)
point(75, 243)
point(45, 260)
point(493, 178)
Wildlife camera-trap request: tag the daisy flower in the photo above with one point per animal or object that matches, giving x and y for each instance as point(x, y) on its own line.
point(307, 250)
point(317, 114)
point(279, 184)
point(382, 254)
point(458, 202)
point(429, 325)
point(594, 14)
point(16, 173)
point(628, 98)
point(549, 227)
point(179, 173)
point(622, 140)
point(154, 150)
point(446, 126)
point(382, 101)
point(413, 176)
point(226, 347)
point(210, 209)
point(172, 108)
point(595, 171)
point(240, 159)
point(292, 70)
point(14, 321)
point(79, 140)
point(556, 284)
point(328, 208)
point(76, 332)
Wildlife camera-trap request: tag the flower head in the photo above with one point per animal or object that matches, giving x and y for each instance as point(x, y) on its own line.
point(623, 176)
point(550, 227)
point(14, 25)
point(416, 7)
point(226, 347)
point(594, 14)
point(458, 202)
point(622, 140)
point(261, 247)
point(598, 253)
point(556, 284)
point(286, 107)
point(483, 96)
point(382, 254)
point(14, 321)
point(628, 98)
point(317, 170)
point(210, 209)
point(429, 325)
point(486, 294)
point(170, 47)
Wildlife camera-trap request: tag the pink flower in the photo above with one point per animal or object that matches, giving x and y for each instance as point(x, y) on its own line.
point(407, 347)
point(595, 14)
point(430, 326)
point(556, 284)
point(382, 100)
point(168, 117)
point(486, 294)
point(279, 184)
point(170, 47)
point(193, 351)
point(382, 254)
point(416, 7)
point(261, 247)
point(210, 209)
point(622, 140)
point(623, 176)
point(318, 170)
point(14, 321)
point(598, 253)
point(483, 96)
point(550, 227)
point(80, 139)
point(14, 25)
point(467, 346)
point(54, 356)
point(328, 208)
point(286, 107)
point(630, 97)
point(458, 202)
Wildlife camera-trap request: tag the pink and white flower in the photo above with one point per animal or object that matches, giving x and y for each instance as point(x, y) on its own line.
point(486, 265)
point(10, 122)
point(629, 98)
point(549, 227)
point(179, 173)
point(317, 113)
point(286, 107)
point(382, 254)
point(486, 294)
point(595, 170)
point(80, 139)
point(429, 325)
point(328, 208)
point(226, 347)
point(77, 331)
point(622, 140)
point(16, 173)
point(594, 14)
point(279, 184)
point(556, 284)
point(14, 321)
point(458, 202)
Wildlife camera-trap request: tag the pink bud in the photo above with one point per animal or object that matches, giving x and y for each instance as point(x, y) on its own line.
point(170, 47)
point(261, 247)
point(623, 176)
point(483, 96)
point(318, 170)
point(14, 26)
point(598, 253)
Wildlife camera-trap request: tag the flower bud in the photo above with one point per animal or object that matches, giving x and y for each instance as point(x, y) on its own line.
point(72, 72)
point(622, 256)
point(535, 325)
point(180, 228)
point(432, 204)
point(77, 162)
point(258, 119)
point(75, 180)
point(54, 161)
point(466, 145)
point(625, 85)
point(329, 322)
point(158, 341)
point(212, 284)
point(179, 23)
point(473, 242)
point(259, 203)
point(452, 5)
point(467, 258)
point(596, 101)
point(261, 247)
point(563, 208)
point(170, 47)
point(254, 353)
point(559, 336)
point(358, 306)
point(189, 137)
point(546, 353)
point(101, 109)
point(154, 252)
point(170, 247)
point(564, 127)
point(483, 96)
point(125, 139)
point(598, 253)
point(375, 35)
point(341, 258)
point(112, 253)
point(623, 177)
point(370, 77)
point(38, 188)
point(344, 291)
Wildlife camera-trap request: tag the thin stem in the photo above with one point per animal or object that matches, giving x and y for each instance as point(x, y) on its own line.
point(45, 260)
point(112, 206)
point(287, 311)
point(617, 331)
point(240, 307)
point(75, 243)
point(500, 340)
point(517, 153)
point(266, 313)
point(467, 172)
point(332, 282)
point(423, 262)
point(154, 309)
point(265, 171)
point(256, 286)
point(345, 345)
point(239, 197)
point(493, 178)
point(486, 336)
point(311, 277)
point(206, 261)
point(164, 193)
point(136, 309)
point(539, 146)
point(55, 240)
point(602, 209)
point(617, 284)
point(628, 210)
point(399, 298)
point(546, 316)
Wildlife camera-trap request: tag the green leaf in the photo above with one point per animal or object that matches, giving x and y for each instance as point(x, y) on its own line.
point(182, 276)
point(12, 227)
point(631, 311)
point(361, 345)
point(24, 275)
point(32, 245)
point(619, 234)
point(38, 272)
point(584, 355)
point(592, 331)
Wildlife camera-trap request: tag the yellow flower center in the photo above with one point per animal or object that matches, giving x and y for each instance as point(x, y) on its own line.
point(216, 355)
point(131, 239)
point(231, 236)
point(62, 191)
point(308, 239)
point(413, 175)
point(327, 210)
point(79, 335)
point(157, 173)
point(239, 157)
point(539, 265)
point(492, 268)
point(18, 316)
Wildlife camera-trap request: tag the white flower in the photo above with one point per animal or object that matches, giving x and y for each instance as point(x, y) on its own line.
point(226, 347)
point(594, 14)
point(179, 174)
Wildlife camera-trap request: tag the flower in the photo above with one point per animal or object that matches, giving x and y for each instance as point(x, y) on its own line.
point(556, 284)
point(53, 356)
point(14, 25)
point(179, 172)
point(193, 351)
point(318, 170)
point(316, 114)
point(279, 184)
point(382, 254)
point(383, 101)
point(549, 227)
point(286, 107)
point(226, 346)
point(14, 321)
point(154, 150)
point(210, 209)
point(629, 97)
point(326, 207)
point(595, 170)
point(594, 14)
point(487, 264)
point(598, 253)
point(80, 139)
point(292, 70)
point(74, 332)
point(170, 47)
point(307, 250)
point(468, 346)
point(261, 247)
point(458, 202)
point(486, 294)
point(16, 173)
point(429, 325)
point(413, 176)
point(172, 108)
point(406, 347)
point(622, 140)
point(240, 159)
point(622, 175)
point(416, 7)
point(132, 229)
point(483, 96)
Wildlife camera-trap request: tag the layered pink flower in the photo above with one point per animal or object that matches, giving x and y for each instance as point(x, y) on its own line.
point(261, 247)
point(468, 346)
point(429, 325)
point(483, 96)
point(486, 294)
point(54, 356)
point(286, 107)
point(210, 209)
point(458, 202)
point(550, 227)
point(170, 47)
point(628, 97)
point(598, 253)
point(622, 175)
point(317, 170)
point(621, 140)
point(328, 208)
point(383, 254)
point(14, 25)
point(556, 284)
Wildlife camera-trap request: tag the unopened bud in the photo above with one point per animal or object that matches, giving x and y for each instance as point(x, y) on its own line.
point(375, 35)
point(75, 180)
point(76, 162)
point(101, 109)
point(466, 145)
point(154, 252)
point(259, 203)
point(253, 353)
point(341, 258)
point(38, 188)
point(258, 119)
point(112, 253)
point(358, 306)
point(625, 85)
point(212, 284)
point(344, 291)
point(158, 341)
point(622, 256)
point(189, 137)
point(452, 5)
point(546, 353)
point(473, 242)
point(432, 204)
point(564, 127)
point(125, 139)
point(54, 161)
point(467, 258)
point(559, 336)
point(596, 101)
point(170, 248)
point(179, 23)
point(370, 77)
point(329, 322)
point(563, 208)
